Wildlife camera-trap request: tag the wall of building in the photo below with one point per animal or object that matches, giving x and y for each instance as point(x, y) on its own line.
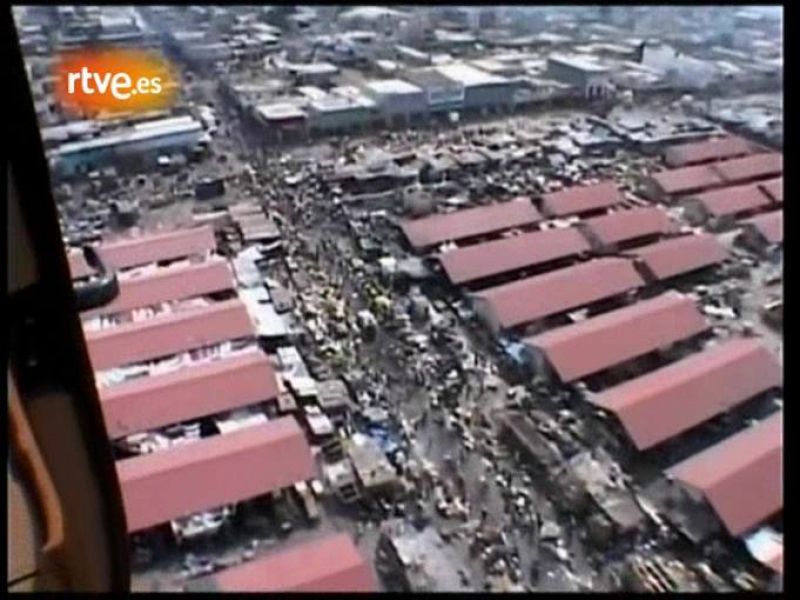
point(489, 96)
point(567, 73)
point(340, 120)
point(401, 104)
point(94, 158)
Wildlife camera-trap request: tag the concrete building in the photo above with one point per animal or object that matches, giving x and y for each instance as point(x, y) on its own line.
point(198, 48)
point(339, 114)
point(594, 80)
point(375, 18)
point(442, 93)
point(397, 100)
point(283, 121)
point(482, 91)
point(142, 143)
point(313, 74)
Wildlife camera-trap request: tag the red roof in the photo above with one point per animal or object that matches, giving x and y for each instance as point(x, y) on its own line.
point(750, 167)
point(462, 224)
point(581, 198)
point(191, 392)
point(330, 564)
point(776, 564)
point(169, 334)
point(714, 149)
point(78, 267)
point(686, 180)
point(213, 471)
point(169, 283)
point(773, 188)
point(502, 256)
point(732, 200)
point(153, 248)
point(630, 224)
point(622, 334)
point(741, 477)
point(562, 290)
point(675, 398)
point(676, 256)
point(769, 225)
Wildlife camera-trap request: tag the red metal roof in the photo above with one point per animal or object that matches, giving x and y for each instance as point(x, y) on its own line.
point(767, 164)
point(733, 200)
point(169, 283)
point(621, 334)
point(680, 255)
point(686, 180)
point(78, 267)
point(562, 290)
point(773, 188)
point(675, 398)
point(776, 564)
point(214, 471)
point(168, 334)
point(741, 477)
point(161, 246)
point(714, 149)
point(330, 564)
point(196, 391)
point(502, 256)
point(581, 198)
point(769, 225)
point(630, 224)
point(462, 224)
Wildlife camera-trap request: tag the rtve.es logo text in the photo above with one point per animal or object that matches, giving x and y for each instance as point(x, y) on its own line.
point(97, 82)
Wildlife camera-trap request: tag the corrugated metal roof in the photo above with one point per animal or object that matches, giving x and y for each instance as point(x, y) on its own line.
point(170, 283)
point(621, 334)
point(741, 477)
point(776, 561)
point(190, 392)
point(630, 224)
point(773, 188)
point(680, 255)
point(152, 248)
point(329, 564)
point(769, 225)
point(732, 200)
point(462, 224)
point(168, 334)
point(581, 198)
point(213, 471)
point(686, 180)
point(750, 167)
point(675, 398)
point(714, 149)
point(562, 290)
point(766, 546)
point(502, 256)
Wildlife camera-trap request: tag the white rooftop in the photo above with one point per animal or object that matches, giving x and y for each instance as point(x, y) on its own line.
point(392, 86)
point(583, 63)
point(333, 103)
point(370, 12)
point(281, 110)
point(156, 129)
point(468, 75)
point(319, 68)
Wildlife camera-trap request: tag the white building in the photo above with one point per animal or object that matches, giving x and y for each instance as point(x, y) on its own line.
point(397, 100)
point(591, 78)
